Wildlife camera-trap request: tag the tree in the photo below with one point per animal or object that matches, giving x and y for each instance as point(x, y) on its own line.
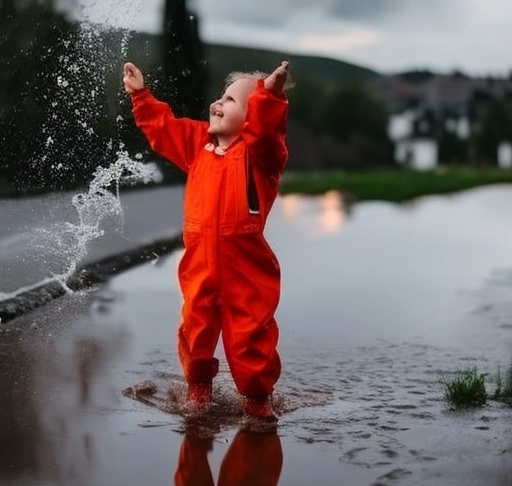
point(60, 92)
point(495, 127)
point(36, 39)
point(351, 109)
point(184, 70)
point(452, 149)
point(307, 102)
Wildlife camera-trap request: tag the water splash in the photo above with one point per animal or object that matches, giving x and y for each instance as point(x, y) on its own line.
point(124, 14)
point(85, 78)
point(82, 130)
point(99, 210)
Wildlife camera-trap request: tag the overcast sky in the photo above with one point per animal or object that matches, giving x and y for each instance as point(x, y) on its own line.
point(387, 35)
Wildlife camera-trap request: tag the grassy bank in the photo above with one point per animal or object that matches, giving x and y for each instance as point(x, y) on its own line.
point(393, 185)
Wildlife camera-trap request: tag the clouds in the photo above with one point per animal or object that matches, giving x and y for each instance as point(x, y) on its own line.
point(262, 13)
point(386, 35)
point(296, 26)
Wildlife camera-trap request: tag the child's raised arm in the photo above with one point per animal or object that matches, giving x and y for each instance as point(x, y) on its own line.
point(133, 78)
point(276, 82)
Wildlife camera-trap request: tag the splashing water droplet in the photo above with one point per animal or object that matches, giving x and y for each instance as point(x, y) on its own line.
point(83, 80)
point(99, 209)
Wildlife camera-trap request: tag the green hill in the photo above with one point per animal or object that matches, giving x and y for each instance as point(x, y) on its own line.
point(223, 59)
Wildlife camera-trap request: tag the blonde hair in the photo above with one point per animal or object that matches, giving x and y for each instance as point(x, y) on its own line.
point(255, 75)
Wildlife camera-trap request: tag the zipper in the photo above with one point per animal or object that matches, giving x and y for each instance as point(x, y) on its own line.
point(250, 190)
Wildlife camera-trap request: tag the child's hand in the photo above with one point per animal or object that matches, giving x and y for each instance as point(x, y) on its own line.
point(275, 82)
point(133, 79)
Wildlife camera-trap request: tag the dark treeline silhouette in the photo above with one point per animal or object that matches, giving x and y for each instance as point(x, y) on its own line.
point(34, 37)
point(62, 109)
point(337, 127)
point(183, 65)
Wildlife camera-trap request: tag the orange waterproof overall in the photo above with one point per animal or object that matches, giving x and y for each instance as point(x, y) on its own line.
point(229, 276)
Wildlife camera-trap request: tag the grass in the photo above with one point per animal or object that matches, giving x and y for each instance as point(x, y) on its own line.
point(393, 185)
point(504, 385)
point(465, 388)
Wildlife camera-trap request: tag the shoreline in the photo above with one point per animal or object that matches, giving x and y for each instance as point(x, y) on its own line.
point(85, 277)
point(396, 184)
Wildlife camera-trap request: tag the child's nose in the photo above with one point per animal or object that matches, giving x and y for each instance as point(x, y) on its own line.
point(216, 104)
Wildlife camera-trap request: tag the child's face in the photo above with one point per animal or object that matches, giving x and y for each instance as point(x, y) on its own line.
point(227, 114)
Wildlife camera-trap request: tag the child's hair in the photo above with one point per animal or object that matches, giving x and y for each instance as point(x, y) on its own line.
point(236, 75)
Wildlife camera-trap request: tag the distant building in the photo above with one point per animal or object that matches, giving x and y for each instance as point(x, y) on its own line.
point(401, 125)
point(413, 133)
point(424, 105)
point(505, 155)
point(417, 153)
point(461, 126)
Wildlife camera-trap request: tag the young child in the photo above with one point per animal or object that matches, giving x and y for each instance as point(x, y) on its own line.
point(229, 276)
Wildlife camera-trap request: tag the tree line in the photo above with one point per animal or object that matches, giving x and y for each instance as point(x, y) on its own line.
point(343, 126)
point(63, 112)
point(491, 124)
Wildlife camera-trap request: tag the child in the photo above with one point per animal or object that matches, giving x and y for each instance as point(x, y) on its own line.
point(229, 276)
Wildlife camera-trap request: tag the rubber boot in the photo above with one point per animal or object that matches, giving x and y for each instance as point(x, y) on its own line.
point(199, 396)
point(260, 407)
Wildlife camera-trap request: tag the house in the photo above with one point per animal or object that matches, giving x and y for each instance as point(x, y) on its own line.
point(413, 134)
point(505, 155)
point(423, 105)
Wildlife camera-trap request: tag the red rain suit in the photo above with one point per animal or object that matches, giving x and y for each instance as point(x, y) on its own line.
point(229, 276)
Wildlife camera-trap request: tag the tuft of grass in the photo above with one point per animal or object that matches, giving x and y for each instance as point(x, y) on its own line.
point(465, 388)
point(396, 185)
point(504, 384)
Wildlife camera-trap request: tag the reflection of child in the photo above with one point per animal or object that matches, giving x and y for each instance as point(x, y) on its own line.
point(229, 276)
point(254, 458)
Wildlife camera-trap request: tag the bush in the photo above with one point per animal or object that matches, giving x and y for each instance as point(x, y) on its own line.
point(466, 388)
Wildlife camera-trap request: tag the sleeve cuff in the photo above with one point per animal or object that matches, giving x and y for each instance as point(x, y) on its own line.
point(140, 94)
